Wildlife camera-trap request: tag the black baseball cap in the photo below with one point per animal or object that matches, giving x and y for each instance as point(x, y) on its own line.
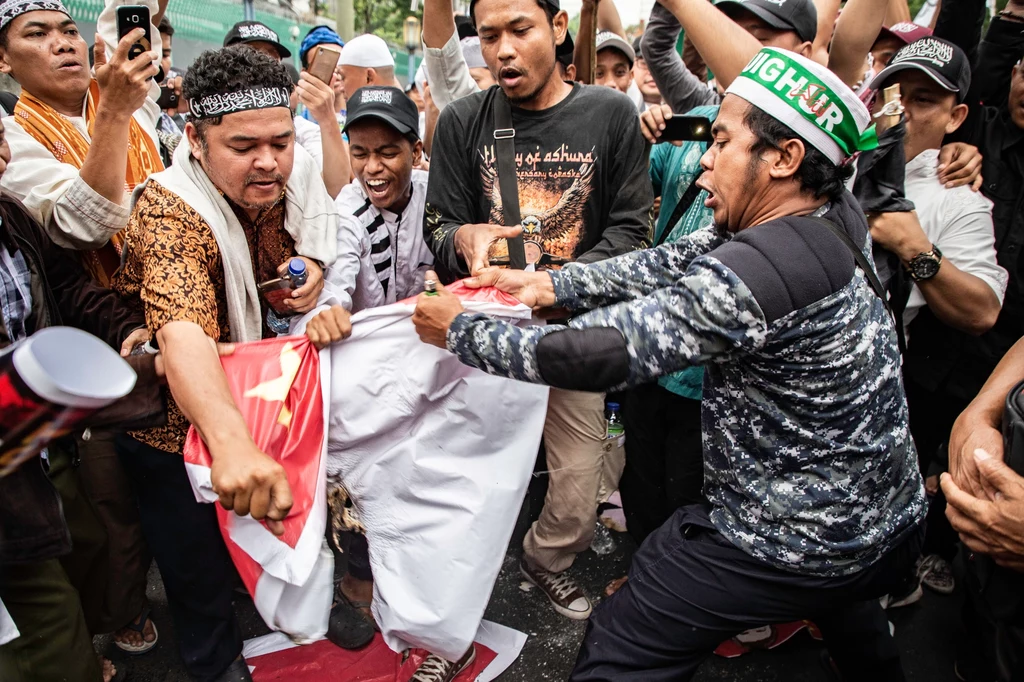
point(255, 32)
point(465, 27)
point(941, 60)
point(787, 15)
point(564, 52)
point(390, 105)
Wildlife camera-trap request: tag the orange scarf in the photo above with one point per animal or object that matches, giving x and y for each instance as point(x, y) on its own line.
point(55, 132)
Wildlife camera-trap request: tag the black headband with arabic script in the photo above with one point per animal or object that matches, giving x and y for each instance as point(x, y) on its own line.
point(221, 104)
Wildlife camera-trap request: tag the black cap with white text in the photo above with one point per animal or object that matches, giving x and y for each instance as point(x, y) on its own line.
point(940, 60)
point(390, 105)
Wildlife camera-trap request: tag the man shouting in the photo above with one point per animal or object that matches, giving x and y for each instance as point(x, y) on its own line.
point(239, 202)
point(816, 503)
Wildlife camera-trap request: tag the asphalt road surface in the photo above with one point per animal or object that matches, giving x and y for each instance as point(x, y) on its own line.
point(926, 631)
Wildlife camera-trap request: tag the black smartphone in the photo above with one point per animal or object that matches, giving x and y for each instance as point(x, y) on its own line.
point(168, 98)
point(129, 18)
point(687, 128)
point(276, 291)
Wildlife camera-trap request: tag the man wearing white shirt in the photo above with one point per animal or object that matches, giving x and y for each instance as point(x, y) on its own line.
point(384, 205)
point(947, 244)
point(948, 247)
point(77, 191)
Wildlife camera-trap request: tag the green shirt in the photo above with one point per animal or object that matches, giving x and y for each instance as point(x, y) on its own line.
point(673, 170)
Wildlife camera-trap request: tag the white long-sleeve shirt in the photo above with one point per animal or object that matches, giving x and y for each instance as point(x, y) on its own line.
point(447, 73)
point(393, 256)
point(73, 214)
point(309, 137)
point(958, 221)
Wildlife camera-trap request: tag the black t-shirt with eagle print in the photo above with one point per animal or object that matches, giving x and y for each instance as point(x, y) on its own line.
point(584, 190)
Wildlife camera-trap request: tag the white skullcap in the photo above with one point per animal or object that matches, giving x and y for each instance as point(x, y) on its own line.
point(472, 54)
point(367, 52)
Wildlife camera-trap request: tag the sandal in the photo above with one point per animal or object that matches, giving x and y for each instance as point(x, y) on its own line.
point(139, 626)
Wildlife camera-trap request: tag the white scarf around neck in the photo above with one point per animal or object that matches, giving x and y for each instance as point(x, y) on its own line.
point(310, 218)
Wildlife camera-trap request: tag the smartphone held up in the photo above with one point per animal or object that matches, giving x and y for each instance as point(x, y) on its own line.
point(324, 62)
point(129, 18)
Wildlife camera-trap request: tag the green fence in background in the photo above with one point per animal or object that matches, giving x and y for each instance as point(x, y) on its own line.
point(202, 24)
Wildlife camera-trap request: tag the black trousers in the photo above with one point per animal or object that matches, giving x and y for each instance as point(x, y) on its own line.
point(664, 457)
point(185, 540)
point(690, 589)
point(932, 414)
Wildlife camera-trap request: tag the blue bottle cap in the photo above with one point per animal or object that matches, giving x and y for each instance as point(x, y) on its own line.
point(296, 267)
point(613, 406)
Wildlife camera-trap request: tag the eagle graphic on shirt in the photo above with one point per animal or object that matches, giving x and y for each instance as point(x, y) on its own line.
point(552, 208)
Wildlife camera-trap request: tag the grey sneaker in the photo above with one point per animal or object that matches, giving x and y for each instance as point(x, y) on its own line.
point(565, 595)
point(437, 669)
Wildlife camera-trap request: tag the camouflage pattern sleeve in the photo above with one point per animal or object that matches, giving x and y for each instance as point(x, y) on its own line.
point(706, 313)
point(631, 276)
point(498, 347)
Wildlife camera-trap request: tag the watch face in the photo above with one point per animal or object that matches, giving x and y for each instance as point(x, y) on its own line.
point(924, 266)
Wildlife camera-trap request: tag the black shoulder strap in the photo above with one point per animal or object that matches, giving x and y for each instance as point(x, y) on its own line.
point(684, 203)
point(505, 153)
point(869, 274)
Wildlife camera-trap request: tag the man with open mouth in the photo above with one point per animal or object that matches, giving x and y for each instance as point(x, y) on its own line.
point(583, 195)
point(384, 204)
point(239, 205)
point(816, 503)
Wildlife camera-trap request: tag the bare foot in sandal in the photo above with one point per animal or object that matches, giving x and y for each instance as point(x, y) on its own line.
point(137, 637)
point(615, 585)
point(109, 671)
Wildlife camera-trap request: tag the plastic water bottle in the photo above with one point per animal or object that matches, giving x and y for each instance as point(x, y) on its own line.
point(603, 542)
point(615, 428)
point(297, 273)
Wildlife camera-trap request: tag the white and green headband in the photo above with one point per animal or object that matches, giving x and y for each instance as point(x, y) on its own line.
point(810, 99)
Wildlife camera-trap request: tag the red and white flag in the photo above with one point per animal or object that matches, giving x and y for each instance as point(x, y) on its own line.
point(278, 389)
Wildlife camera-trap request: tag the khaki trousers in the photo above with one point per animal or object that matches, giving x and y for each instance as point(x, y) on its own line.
point(579, 475)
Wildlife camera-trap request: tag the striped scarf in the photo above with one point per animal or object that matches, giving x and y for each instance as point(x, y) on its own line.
point(56, 132)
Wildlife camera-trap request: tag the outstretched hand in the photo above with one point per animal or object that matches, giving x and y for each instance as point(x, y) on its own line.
point(530, 288)
point(435, 312)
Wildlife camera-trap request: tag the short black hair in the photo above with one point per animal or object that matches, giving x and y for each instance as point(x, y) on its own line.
point(165, 27)
point(231, 69)
point(549, 9)
point(817, 174)
point(4, 33)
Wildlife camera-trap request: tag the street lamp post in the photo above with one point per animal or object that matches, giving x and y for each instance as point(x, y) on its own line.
point(411, 33)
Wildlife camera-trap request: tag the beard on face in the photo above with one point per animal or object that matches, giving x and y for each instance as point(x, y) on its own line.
point(253, 178)
point(540, 83)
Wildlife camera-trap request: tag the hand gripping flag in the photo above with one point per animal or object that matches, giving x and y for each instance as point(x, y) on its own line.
point(277, 386)
point(435, 455)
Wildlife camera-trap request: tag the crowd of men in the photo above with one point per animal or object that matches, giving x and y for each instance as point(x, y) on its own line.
point(809, 305)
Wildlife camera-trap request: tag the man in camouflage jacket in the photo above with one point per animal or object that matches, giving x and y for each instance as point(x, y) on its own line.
point(816, 503)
